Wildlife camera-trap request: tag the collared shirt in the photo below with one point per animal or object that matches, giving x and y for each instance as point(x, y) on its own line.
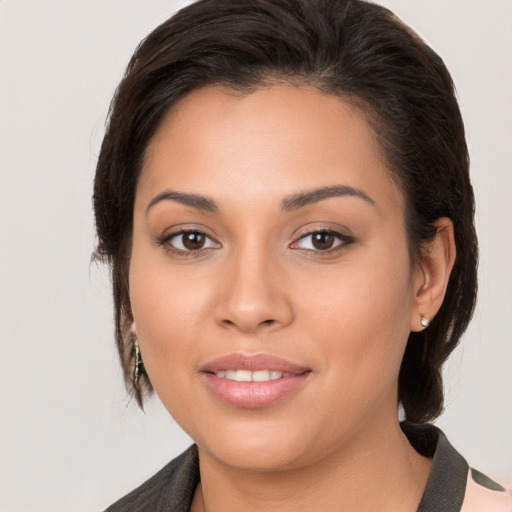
point(451, 487)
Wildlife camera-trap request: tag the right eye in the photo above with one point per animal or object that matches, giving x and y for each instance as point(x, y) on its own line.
point(189, 241)
point(323, 241)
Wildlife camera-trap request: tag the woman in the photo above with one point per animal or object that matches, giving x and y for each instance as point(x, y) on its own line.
point(284, 199)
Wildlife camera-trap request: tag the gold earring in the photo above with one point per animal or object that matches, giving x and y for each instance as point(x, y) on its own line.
point(139, 365)
point(425, 322)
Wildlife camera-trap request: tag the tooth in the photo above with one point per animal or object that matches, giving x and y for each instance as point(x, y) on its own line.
point(248, 376)
point(261, 376)
point(243, 375)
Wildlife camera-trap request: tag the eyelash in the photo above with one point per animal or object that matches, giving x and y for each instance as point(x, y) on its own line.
point(342, 239)
point(166, 242)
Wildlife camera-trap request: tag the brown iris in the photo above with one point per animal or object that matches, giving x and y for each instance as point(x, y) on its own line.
point(322, 240)
point(193, 240)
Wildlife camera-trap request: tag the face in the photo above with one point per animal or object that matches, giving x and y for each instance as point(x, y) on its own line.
point(270, 279)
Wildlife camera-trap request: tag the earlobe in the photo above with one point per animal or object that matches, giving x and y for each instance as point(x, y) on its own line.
point(435, 268)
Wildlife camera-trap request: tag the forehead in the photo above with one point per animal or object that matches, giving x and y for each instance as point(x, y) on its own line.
point(274, 140)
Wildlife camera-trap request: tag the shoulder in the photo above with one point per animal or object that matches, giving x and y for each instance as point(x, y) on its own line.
point(172, 487)
point(485, 495)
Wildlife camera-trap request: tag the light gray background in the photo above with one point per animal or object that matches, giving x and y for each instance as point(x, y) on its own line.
point(69, 439)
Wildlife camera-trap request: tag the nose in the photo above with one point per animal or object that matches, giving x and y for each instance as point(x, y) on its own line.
point(254, 297)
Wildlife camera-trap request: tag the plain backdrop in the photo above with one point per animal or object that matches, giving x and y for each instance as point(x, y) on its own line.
point(70, 439)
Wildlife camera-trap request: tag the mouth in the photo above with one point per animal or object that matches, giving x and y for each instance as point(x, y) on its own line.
point(253, 381)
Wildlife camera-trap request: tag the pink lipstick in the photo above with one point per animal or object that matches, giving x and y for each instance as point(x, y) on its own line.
point(253, 381)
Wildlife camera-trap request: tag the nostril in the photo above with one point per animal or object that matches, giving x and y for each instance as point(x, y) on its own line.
point(267, 322)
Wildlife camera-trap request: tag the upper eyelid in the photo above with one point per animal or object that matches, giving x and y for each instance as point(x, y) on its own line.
point(166, 238)
point(336, 232)
point(321, 230)
point(178, 230)
point(323, 225)
point(342, 237)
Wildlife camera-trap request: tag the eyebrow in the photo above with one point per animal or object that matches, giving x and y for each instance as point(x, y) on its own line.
point(293, 202)
point(194, 200)
point(309, 197)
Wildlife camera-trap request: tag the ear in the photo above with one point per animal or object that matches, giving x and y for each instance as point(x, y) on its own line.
point(432, 276)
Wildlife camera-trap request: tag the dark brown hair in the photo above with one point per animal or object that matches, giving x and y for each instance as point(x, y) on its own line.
point(350, 48)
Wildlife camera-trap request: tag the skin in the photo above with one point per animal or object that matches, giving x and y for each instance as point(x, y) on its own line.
point(259, 285)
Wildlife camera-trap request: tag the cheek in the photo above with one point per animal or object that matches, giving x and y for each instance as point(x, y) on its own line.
point(362, 314)
point(170, 311)
point(168, 320)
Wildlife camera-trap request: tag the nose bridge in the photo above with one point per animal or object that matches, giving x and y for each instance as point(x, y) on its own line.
point(253, 296)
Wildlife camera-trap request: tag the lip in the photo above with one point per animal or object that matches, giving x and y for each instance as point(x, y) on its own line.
point(253, 395)
point(252, 362)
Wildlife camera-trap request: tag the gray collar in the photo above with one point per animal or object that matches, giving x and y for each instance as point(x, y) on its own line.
point(446, 483)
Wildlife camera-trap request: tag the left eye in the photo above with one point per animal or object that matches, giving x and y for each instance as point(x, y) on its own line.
point(321, 241)
point(187, 241)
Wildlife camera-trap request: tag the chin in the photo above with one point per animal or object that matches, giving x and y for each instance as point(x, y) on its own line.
point(256, 445)
point(261, 456)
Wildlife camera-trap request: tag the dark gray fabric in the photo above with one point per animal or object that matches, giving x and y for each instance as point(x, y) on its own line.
point(446, 483)
point(485, 481)
point(172, 488)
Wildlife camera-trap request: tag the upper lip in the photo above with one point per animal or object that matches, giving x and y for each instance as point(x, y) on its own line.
point(252, 362)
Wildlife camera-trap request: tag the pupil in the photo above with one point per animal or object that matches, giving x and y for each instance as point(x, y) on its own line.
point(323, 240)
point(193, 241)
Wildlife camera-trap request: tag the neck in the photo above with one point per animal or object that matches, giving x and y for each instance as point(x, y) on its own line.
point(378, 471)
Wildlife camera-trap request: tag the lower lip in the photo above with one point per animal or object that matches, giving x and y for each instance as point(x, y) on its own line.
point(254, 395)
